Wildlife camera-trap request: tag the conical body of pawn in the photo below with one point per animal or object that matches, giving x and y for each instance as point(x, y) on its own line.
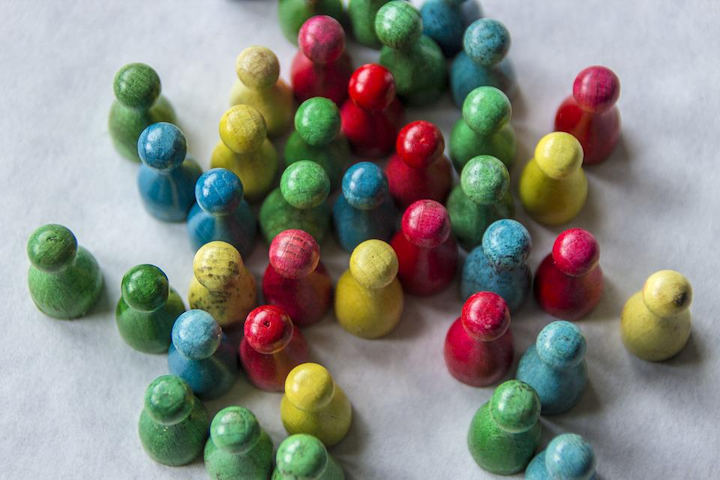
point(293, 13)
point(64, 279)
point(304, 456)
point(445, 22)
point(362, 19)
point(567, 457)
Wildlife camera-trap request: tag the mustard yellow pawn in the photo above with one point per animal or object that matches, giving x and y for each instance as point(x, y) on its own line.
point(315, 405)
point(655, 322)
point(368, 297)
point(245, 150)
point(553, 186)
point(221, 285)
point(259, 85)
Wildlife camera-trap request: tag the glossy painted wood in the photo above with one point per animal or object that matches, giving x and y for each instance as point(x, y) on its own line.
point(293, 13)
point(445, 22)
point(362, 19)
point(567, 457)
point(304, 456)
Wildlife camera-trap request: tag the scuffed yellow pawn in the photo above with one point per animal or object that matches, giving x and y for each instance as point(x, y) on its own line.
point(655, 322)
point(222, 286)
point(315, 405)
point(553, 186)
point(368, 296)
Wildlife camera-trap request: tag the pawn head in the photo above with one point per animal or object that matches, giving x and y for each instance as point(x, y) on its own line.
point(426, 223)
point(667, 293)
point(268, 329)
point(398, 24)
point(309, 386)
point(596, 89)
point(374, 264)
point(506, 243)
point(235, 430)
point(196, 334)
point(561, 344)
point(575, 252)
point(162, 146)
point(372, 87)
point(219, 191)
point(294, 253)
point(486, 41)
point(257, 67)
point(322, 39)
point(485, 180)
point(317, 121)
point(304, 184)
point(485, 316)
point(559, 154)
point(364, 186)
point(419, 144)
point(570, 457)
point(216, 264)
point(515, 406)
point(168, 399)
point(145, 288)
point(137, 85)
point(242, 129)
point(301, 456)
point(51, 248)
point(486, 110)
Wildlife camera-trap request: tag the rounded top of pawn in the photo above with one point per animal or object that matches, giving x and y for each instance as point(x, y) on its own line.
point(575, 252)
point(558, 154)
point(216, 264)
point(219, 191)
point(317, 121)
point(506, 243)
point(235, 429)
point(485, 180)
point(137, 85)
point(398, 24)
point(485, 316)
point(667, 293)
point(561, 344)
point(596, 89)
point(374, 264)
point(242, 129)
point(257, 67)
point(570, 457)
point(162, 146)
point(294, 253)
point(268, 329)
point(486, 41)
point(364, 186)
point(168, 399)
point(196, 334)
point(145, 288)
point(51, 247)
point(322, 39)
point(309, 386)
point(426, 223)
point(420, 143)
point(305, 184)
point(486, 110)
point(301, 456)
point(372, 87)
point(515, 406)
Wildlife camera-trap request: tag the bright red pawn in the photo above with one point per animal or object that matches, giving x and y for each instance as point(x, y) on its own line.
point(426, 250)
point(372, 116)
point(271, 347)
point(590, 114)
point(569, 281)
point(295, 279)
point(479, 345)
point(321, 67)
point(419, 170)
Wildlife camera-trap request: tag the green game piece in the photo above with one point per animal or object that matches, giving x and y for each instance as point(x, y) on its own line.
point(293, 13)
point(303, 456)
point(362, 18)
point(64, 279)
point(174, 424)
point(147, 309)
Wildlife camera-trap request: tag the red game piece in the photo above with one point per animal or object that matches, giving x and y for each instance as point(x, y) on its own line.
point(321, 67)
point(295, 279)
point(590, 114)
point(479, 345)
point(419, 170)
point(372, 116)
point(569, 281)
point(271, 347)
point(426, 250)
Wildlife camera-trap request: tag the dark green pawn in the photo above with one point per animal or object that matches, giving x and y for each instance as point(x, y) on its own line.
point(174, 424)
point(64, 279)
point(238, 449)
point(147, 309)
point(303, 456)
point(293, 13)
point(137, 104)
point(362, 18)
point(505, 432)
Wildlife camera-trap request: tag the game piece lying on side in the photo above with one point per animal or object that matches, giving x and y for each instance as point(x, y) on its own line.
point(445, 22)
point(304, 456)
point(293, 13)
point(362, 18)
point(567, 457)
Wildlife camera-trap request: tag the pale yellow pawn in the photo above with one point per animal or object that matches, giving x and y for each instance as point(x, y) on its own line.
point(259, 85)
point(368, 296)
point(553, 186)
point(655, 322)
point(221, 285)
point(245, 150)
point(315, 405)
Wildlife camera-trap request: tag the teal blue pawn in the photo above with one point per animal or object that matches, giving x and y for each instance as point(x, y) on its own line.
point(304, 457)
point(567, 457)
point(555, 367)
point(445, 22)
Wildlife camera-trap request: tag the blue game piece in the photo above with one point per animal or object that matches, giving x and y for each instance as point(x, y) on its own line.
point(567, 457)
point(365, 209)
point(445, 22)
point(498, 265)
point(167, 176)
point(202, 355)
point(221, 212)
point(555, 367)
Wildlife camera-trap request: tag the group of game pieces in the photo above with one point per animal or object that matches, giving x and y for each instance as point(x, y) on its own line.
point(403, 226)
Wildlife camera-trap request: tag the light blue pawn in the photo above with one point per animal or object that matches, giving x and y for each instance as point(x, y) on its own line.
point(498, 265)
point(167, 176)
point(555, 367)
point(445, 22)
point(567, 457)
point(365, 209)
point(221, 213)
point(202, 355)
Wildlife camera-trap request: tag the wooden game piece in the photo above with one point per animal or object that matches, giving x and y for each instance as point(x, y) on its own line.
point(260, 86)
point(321, 67)
point(245, 150)
point(364, 209)
point(202, 355)
point(555, 367)
point(292, 14)
point(479, 344)
point(590, 114)
point(372, 116)
point(304, 456)
point(499, 264)
point(553, 186)
point(314, 404)
point(299, 203)
point(482, 197)
point(222, 285)
point(567, 457)
point(569, 281)
point(445, 22)
point(419, 170)
point(415, 60)
point(426, 249)
point(655, 322)
point(368, 296)
point(505, 431)
point(173, 424)
point(362, 19)
point(147, 309)
point(271, 347)
point(238, 447)
point(137, 104)
point(64, 279)
point(167, 176)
